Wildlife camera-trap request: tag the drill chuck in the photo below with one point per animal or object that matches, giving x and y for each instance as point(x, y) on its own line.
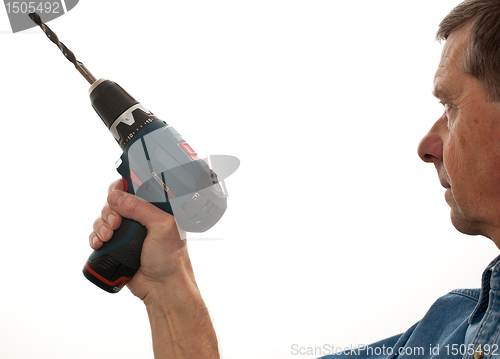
point(117, 110)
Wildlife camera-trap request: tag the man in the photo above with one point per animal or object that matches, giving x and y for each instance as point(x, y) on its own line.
point(464, 146)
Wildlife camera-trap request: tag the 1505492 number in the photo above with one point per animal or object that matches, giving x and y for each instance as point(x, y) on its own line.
point(462, 349)
point(16, 7)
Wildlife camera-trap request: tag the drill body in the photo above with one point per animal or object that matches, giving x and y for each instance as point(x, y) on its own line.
point(158, 166)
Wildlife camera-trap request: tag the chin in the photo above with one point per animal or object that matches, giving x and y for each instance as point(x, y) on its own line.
point(465, 225)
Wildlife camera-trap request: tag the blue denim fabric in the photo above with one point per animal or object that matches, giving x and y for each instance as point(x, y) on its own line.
point(464, 323)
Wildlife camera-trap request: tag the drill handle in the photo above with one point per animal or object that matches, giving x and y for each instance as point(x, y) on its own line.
point(113, 265)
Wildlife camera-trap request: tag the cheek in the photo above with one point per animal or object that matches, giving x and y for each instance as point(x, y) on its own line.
point(454, 158)
point(471, 162)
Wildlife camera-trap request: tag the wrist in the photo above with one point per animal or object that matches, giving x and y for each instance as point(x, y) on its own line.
point(165, 274)
point(173, 293)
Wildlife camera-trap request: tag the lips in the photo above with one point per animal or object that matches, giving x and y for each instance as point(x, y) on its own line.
point(443, 176)
point(444, 183)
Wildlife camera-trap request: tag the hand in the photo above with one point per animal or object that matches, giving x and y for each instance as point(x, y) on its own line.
point(164, 258)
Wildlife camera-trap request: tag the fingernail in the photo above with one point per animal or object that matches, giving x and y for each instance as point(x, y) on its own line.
point(103, 230)
point(95, 240)
point(111, 219)
point(115, 198)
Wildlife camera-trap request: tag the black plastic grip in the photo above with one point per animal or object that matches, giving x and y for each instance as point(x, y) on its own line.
point(113, 265)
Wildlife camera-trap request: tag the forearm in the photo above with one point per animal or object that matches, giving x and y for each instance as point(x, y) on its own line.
point(180, 324)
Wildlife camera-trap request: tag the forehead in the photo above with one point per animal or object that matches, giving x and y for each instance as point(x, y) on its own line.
point(450, 66)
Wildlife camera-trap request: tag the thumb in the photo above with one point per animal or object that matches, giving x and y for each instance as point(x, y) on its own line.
point(132, 207)
point(118, 184)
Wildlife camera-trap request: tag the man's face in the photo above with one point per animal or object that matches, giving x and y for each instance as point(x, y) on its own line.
point(464, 144)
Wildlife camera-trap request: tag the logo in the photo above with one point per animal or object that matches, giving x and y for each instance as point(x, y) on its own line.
point(161, 183)
point(17, 11)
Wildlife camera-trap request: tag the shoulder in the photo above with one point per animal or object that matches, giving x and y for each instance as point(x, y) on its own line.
point(446, 318)
point(472, 294)
point(466, 297)
point(458, 303)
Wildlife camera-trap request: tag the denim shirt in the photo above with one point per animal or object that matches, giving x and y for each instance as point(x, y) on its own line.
point(464, 323)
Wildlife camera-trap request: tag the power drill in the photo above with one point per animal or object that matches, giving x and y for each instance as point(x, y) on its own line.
point(156, 165)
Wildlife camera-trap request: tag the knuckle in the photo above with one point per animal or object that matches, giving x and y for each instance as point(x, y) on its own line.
point(118, 221)
point(105, 233)
point(102, 230)
point(130, 203)
point(97, 224)
point(167, 223)
point(105, 210)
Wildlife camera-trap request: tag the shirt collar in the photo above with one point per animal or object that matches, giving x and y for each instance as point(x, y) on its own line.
point(490, 279)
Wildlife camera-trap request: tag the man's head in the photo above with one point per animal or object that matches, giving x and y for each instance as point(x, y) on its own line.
point(464, 144)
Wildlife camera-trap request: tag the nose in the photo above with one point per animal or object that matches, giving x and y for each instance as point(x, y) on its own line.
point(430, 148)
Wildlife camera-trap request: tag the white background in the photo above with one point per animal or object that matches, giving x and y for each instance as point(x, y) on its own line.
point(336, 232)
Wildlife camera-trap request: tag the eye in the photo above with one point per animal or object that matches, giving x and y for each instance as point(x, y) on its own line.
point(448, 109)
point(449, 112)
point(445, 105)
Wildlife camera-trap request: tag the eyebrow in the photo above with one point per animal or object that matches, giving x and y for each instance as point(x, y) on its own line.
point(441, 93)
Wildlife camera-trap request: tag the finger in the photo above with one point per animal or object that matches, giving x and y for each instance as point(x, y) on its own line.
point(102, 230)
point(109, 221)
point(116, 185)
point(112, 219)
point(94, 241)
point(130, 206)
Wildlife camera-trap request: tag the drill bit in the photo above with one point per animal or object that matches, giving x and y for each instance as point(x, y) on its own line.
point(67, 52)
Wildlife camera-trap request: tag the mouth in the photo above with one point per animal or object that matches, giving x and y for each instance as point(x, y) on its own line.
point(447, 194)
point(445, 184)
